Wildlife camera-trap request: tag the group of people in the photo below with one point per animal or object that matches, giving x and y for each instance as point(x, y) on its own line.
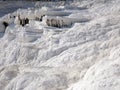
point(20, 21)
point(55, 22)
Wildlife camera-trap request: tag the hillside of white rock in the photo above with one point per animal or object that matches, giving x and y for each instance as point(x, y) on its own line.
point(73, 46)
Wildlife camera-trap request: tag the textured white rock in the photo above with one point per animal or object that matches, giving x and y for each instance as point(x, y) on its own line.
point(84, 56)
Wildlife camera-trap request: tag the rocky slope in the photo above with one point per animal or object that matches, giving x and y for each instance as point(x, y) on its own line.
point(82, 56)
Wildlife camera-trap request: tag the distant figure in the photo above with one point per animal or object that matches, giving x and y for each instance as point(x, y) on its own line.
point(58, 22)
point(42, 17)
point(26, 21)
point(14, 16)
point(63, 24)
point(23, 22)
point(36, 18)
point(48, 22)
point(5, 24)
point(18, 20)
point(53, 23)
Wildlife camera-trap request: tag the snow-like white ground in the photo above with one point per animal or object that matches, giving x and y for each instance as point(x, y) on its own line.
point(81, 56)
